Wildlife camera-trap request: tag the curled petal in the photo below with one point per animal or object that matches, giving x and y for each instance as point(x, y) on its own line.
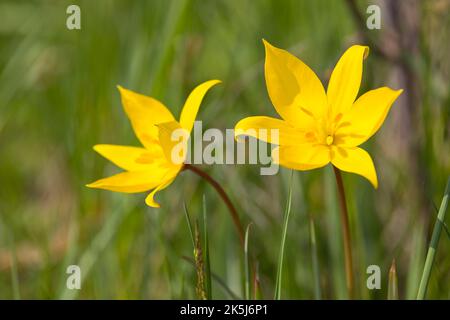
point(345, 79)
point(143, 113)
point(150, 199)
point(305, 157)
point(355, 160)
point(270, 130)
point(192, 104)
point(366, 116)
point(293, 87)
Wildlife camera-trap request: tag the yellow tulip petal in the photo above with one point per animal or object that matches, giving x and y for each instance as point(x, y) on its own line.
point(355, 160)
point(366, 116)
point(345, 79)
point(262, 128)
point(192, 104)
point(294, 89)
point(173, 139)
point(131, 182)
point(304, 157)
point(150, 199)
point(143, 113)
point(129, 158)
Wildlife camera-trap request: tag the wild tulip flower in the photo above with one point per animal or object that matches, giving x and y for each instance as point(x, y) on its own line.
point(151, 166)
point(319, 127)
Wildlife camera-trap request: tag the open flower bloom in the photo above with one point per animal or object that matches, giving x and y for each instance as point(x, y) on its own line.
point(319, 127)
point(153, 166)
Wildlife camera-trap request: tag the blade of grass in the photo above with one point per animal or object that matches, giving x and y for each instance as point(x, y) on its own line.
point(433, 244)
point(247, 264)
point(188, 220)
point(206, 253)
point(315, 260)
point(287, 212)
point(393, 283)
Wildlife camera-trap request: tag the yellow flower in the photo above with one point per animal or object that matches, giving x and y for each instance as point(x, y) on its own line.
point(319, 127)
point(152, 166)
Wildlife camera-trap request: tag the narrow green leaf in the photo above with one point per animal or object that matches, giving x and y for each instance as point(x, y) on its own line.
point(434, 244)
point(287, 212)
point(188, 220)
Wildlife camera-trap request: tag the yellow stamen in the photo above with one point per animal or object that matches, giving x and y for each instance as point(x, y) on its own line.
point(329, 140)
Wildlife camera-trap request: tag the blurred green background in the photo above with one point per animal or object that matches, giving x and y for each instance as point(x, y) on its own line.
point(58, 98)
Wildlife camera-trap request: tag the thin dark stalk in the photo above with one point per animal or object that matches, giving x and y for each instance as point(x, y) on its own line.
point(224, 196)
point(345, 232)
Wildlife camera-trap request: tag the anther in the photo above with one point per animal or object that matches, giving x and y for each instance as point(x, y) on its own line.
point(329, 140)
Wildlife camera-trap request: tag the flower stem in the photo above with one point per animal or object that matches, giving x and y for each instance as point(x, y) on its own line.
point(223, 195)
point(345, 233)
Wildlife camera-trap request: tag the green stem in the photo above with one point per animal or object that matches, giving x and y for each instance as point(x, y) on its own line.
point(433, 244)
point(345, 233)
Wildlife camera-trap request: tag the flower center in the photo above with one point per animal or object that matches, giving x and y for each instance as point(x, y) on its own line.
point(329, 140)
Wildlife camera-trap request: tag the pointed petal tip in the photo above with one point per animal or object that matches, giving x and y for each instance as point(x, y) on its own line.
point(90, 185)
point(97, 147)
point(398, 92)
point(363, 46)
point(268, 47)
point(211, 83)
point(366, 52)
point(267, 44)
